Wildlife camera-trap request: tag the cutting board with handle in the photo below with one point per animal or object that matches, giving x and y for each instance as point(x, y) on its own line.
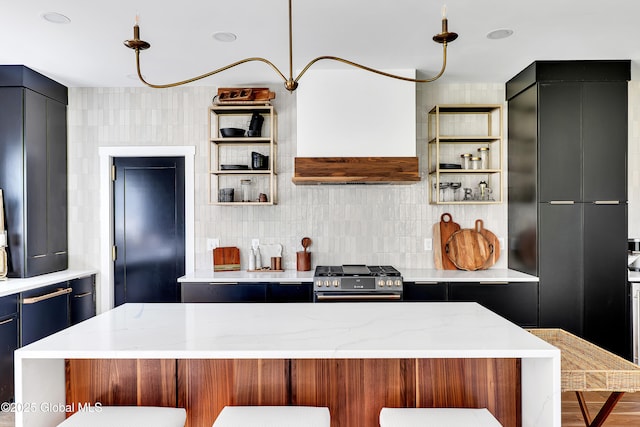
point(494, 243)
point(468, 250)
point(226, 259)
point(447, 228)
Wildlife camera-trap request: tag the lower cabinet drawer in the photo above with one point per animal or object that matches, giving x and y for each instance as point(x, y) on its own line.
point(515, 301)
point(82, 299)
point(290, 292)
point(223, 292)
point(424, 291)
point(43, 312)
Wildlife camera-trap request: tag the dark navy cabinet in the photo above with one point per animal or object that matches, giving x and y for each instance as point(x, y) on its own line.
point(33, 170)
point(44, 311)
point(567, 164)
point(224, 292)
point(517, 302)
point(290, 292)
point(82, 304)
point(9, 341)
point(424, 291)
point(247, 292)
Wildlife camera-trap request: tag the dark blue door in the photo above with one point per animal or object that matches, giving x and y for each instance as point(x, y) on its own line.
point(149, 229)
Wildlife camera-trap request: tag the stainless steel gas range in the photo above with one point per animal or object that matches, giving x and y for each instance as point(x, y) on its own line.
point(356, 282)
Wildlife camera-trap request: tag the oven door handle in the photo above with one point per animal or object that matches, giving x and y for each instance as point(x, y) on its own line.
point(324, 297)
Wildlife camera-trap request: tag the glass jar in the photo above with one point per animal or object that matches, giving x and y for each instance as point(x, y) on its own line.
point(466, 158)
point(484, 157)
point(475, 162)
point(246, 189)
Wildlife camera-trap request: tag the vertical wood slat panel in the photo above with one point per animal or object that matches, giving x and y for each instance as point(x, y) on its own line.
point(494, 384)
point(121, 382)
point(206, 386)
point(354, 389)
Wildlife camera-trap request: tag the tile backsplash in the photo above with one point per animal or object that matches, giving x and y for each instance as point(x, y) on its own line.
point(372, 224)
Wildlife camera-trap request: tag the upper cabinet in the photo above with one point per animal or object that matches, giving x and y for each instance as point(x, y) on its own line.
point(33, 170)
point(465, 154)
point(242, 154)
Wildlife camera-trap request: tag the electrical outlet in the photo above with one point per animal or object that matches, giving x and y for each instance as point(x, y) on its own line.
point(428, 244)
point(212, 244)
point(255, 243)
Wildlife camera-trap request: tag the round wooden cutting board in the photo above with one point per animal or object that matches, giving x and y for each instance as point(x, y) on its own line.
point(468, 250)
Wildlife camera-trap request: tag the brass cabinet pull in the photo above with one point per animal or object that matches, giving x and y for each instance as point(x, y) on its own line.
point(561, 202)
point(494, 283)
point(86, 294)
point(606, 202)
point(60, 291)
point(427, 283)
point(4, 322)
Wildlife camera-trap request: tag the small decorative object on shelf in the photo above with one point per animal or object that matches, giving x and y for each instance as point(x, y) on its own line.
point(455, 130)
point(242, 152)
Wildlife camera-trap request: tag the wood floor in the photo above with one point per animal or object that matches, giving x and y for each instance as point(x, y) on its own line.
point(625, 414)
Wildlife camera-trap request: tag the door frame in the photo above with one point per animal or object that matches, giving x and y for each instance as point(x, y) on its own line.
point(104, 291)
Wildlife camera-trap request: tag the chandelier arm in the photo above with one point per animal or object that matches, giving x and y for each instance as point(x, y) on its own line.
point(202, 76)
point(373, 70)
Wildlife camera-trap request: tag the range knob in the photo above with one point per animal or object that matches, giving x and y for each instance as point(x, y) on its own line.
point(326, 283)
point(381, 283)
point(398, 282)
point(389, 282)
point(336, 283)
point(319, 283)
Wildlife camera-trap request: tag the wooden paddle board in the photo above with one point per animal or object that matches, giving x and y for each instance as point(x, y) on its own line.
point(467, 249)
point(226, 259)
point(494, 243)
point(447, 228)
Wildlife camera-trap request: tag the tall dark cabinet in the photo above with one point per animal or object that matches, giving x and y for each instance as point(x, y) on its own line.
point(33, 170)
point(567, 193)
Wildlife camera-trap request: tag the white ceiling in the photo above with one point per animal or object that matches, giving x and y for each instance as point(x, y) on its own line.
point(89, 51)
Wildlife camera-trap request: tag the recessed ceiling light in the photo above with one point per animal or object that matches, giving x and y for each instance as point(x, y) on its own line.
point(501, 33)
point(55, 18)
point(225, 37)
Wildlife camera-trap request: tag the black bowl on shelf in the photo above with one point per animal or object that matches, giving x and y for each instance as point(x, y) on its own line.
point(234, 167)
point(231, 132)
point(450, 166)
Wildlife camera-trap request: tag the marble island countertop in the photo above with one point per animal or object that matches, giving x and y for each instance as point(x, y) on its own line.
point(408, 275)
point(292, 330)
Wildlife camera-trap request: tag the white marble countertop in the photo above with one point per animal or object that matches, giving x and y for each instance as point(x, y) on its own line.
point(409, 275)
point(634, 276)
point(292, 330)
point(14, 286)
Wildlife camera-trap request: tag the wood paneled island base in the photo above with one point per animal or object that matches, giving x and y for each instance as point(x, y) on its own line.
point(354, 389)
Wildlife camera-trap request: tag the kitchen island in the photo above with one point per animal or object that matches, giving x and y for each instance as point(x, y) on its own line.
point(352, 357)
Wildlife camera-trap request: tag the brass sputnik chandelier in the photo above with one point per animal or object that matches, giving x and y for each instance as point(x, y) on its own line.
point(291, 83)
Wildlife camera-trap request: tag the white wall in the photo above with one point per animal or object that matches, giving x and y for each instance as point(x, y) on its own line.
point(382, 224)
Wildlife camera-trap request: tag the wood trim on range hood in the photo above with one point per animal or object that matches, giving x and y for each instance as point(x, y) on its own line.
point(356, 170)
